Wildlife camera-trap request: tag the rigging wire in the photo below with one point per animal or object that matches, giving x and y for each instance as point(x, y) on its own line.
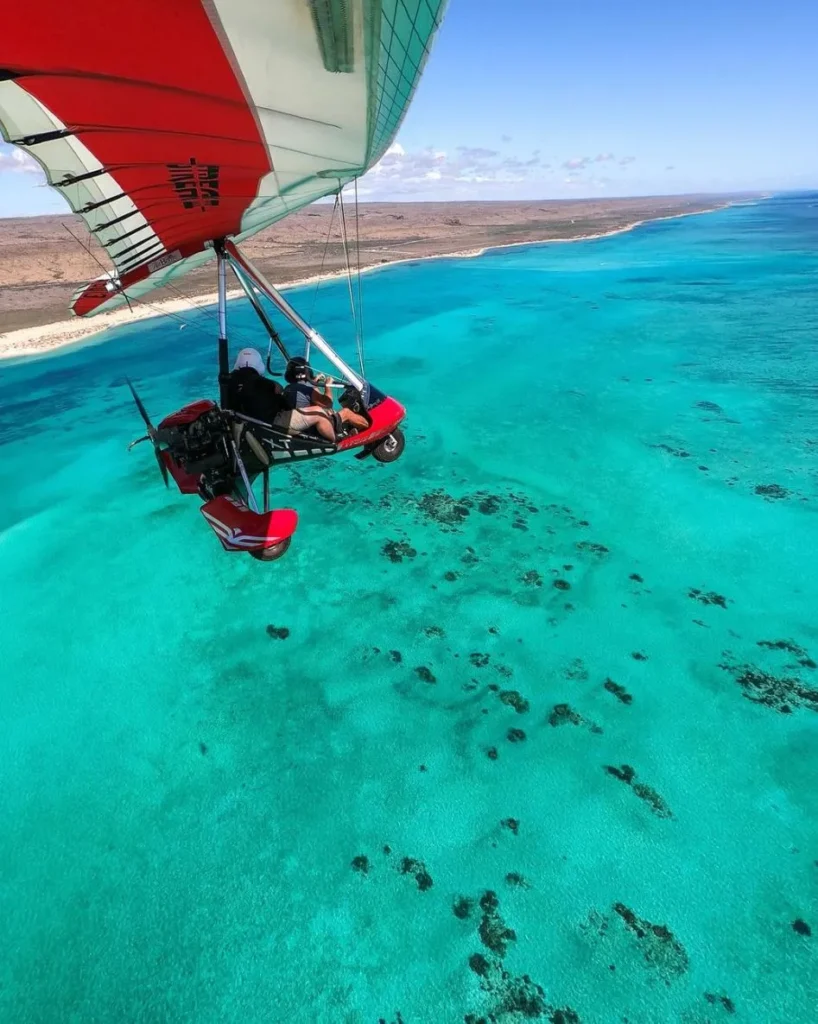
point(323, 258)
point(358, 262)
point(358, 343)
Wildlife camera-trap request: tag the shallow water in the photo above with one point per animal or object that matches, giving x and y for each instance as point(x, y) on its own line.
point(184, 796)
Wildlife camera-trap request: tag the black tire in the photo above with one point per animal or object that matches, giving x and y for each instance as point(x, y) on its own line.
point(391, 448)
point(272, 553)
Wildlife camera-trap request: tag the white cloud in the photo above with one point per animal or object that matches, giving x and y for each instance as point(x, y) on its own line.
point(670, 167)
point(476, 153)
point(577, 163)
point(19, 161)
point(626, 160)
point(478, 172)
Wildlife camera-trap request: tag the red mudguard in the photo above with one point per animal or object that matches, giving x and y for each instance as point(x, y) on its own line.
point(385, 417)
point(240, 529)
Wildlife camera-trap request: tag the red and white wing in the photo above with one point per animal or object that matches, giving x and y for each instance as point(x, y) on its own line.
point(168, 124)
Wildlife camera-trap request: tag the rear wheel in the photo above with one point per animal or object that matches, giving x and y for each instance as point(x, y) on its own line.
point(272, 553)
point(391, 448)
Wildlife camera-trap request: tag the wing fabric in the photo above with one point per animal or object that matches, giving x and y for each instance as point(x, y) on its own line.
point(168, 125)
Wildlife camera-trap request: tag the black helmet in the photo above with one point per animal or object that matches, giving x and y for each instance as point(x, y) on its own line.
point(297, 369)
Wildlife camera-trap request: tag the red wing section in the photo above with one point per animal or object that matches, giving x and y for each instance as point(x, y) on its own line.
point(149, 90)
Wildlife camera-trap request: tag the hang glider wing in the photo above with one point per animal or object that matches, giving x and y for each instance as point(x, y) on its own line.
point(167, 125)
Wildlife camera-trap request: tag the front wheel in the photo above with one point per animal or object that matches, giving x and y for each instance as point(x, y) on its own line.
point(391, 448)
point(272, 553)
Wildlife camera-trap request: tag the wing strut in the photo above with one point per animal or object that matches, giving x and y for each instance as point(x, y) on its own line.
point(275, 296)
point(249, 291)
point(224, 363)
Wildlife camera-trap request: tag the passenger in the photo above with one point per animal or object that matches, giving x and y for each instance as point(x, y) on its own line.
point(250, 392)
point(303, 395)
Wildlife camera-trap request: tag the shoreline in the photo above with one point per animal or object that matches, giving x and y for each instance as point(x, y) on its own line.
point(48, 339)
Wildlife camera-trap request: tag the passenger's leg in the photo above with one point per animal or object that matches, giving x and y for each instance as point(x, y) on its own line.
point(322, 424)
point(353, 419)
point(297, 421)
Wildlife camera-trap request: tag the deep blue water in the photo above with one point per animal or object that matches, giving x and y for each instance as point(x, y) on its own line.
point(604, 780)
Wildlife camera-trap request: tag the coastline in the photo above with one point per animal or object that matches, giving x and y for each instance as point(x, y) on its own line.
point(47, 339)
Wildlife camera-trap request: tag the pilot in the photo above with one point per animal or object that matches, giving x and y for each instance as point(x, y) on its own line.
point(302, 394)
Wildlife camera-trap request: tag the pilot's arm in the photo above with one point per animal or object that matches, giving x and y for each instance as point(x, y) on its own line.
point(324, 399)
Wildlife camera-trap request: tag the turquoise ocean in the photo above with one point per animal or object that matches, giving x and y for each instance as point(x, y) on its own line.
point(524, 726)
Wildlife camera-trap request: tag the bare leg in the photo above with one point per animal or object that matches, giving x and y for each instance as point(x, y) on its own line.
point(322, 424)
point(353, 419)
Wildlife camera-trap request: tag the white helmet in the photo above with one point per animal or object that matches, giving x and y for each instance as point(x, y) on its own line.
point(250, 357)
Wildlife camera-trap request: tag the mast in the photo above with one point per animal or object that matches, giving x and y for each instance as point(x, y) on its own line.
point(224, 363)
point(260, 313)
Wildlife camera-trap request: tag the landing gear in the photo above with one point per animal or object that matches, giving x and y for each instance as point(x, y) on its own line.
point(272, 553)
point(391, 448)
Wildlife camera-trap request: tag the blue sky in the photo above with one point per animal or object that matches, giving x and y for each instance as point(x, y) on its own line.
point(544, 99)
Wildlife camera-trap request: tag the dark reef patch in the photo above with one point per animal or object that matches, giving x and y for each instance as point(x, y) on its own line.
point(277, 632)
point(441, 508)
point(679, 453)
point(594, 549)
point(660, 948)
point(639, 656)
point(625, 773)
point(564, 714)
point(494, 934)
point(514, 878)
point(479, 660)
point(576, 670)
point(646, 793)
point(531, 578)
point(397, 550)
point(791, 647)
point(509, 998)
point(462, 907)
point(360, 864)
point(781, 693)
point(725, 1001)
point(801, 927)
point(709, 597)
point(511, 824)
point(515, 700)
point(772, 492)
point(410, 866)
point(618, 691)
point(561, 584)
point(515, 736)
point(398, 1019)
point(424, 673)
